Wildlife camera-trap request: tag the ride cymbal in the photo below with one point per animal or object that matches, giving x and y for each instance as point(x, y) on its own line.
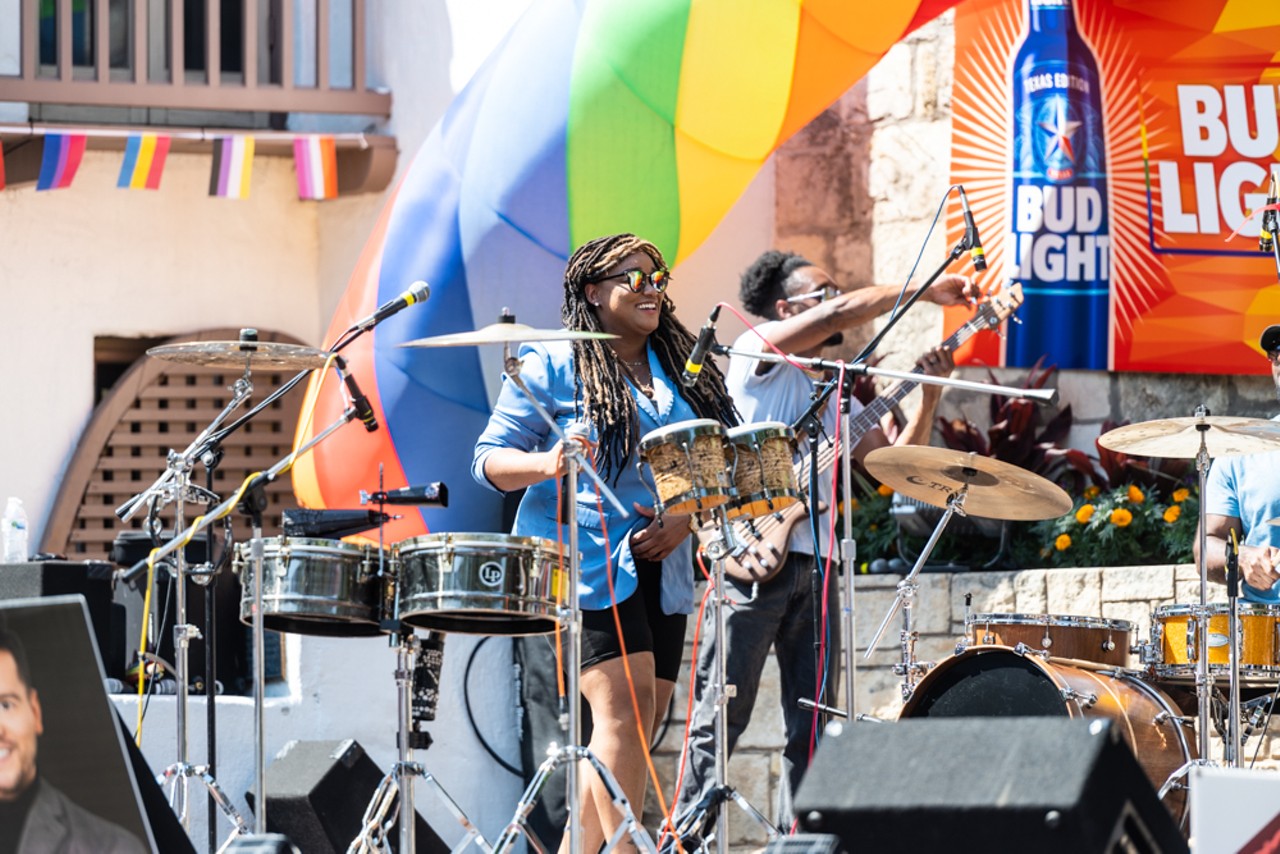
point(997, 490)
point(1179, 438)
point(238, 355)
point(504, 333)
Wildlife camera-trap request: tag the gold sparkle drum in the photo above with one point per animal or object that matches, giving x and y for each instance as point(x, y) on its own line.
point(996, 682)
point(313, 586)
point(479, 584)
point(1062, 636)
point(687, 460)
point(1176, 647)
point(764, 474)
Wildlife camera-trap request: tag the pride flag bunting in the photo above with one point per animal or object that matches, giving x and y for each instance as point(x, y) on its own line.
point(144, 157)
point(61, 159)
point(232, 167)
point(316, 161)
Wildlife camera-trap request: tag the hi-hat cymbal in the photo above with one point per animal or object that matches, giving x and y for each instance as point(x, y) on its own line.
point(504, 333)
point(238, 355)
point(997, 490)
point(1179, 438)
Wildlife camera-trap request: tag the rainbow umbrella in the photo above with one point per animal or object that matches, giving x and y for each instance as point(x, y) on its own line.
point(592, 117)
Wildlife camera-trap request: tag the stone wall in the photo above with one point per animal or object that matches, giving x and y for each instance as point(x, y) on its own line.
point(1116, 593)
point(855, 192)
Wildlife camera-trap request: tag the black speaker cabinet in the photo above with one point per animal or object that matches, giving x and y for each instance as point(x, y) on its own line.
point(90, 579)
point(317, 792)
point(983, 785)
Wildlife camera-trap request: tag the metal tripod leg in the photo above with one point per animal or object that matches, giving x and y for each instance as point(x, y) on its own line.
point(558, 756)
point(384, 810)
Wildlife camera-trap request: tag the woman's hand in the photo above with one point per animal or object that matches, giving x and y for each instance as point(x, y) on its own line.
point(654, 541)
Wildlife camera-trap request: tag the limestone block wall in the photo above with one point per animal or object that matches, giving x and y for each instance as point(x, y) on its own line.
point(1114, 593)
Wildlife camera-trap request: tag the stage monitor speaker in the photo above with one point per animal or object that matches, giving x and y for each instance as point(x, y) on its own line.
point(980, 784)
point(90, 579)
point(317, 792)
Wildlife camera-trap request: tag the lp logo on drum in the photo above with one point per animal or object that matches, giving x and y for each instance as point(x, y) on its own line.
point(491, 574)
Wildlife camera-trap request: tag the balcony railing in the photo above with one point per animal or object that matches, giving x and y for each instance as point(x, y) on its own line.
point(273, 56)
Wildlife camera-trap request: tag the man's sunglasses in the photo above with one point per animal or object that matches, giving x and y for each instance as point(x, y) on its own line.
point(658, 279)
point(822, 294)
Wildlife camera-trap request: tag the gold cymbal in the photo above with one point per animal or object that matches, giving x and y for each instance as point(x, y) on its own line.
point(504, 333)
point(237, 355)
point(997, 490)
point(1179, 438)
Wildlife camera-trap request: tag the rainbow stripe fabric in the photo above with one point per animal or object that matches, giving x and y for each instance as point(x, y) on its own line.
point(144, 157)
point(232, 167)
point(592, 117)
point(60, 160)
point(315, 159)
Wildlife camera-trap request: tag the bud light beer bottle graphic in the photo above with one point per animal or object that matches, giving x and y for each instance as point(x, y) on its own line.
point(1060, 247)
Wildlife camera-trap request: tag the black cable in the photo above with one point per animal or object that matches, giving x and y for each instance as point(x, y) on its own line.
point(471, 719)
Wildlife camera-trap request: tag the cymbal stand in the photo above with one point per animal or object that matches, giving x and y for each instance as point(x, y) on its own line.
point(175, 485)
point(393, 800)
point(723, 545)
point(1204, 677)
point(910, 669)
point(570, 754)
point(256, 555)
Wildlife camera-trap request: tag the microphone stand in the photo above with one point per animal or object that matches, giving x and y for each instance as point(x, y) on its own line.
point(848, 545)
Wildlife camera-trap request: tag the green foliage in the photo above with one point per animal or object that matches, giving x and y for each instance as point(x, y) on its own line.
point(1125, 525)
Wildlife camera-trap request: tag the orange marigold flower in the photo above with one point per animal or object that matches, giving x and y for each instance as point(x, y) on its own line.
point(1091, 492)
point(886, 491)
point(1063, 542)
point(1172, 512)
point(1180, 495)
point(1084, 514)
point(1121, 517)
point(853, 505)
point(1135, 495)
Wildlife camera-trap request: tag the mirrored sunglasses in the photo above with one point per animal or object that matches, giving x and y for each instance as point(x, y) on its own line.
point(636, 278)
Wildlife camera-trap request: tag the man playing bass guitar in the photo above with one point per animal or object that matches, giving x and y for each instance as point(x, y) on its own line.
point(771, 591)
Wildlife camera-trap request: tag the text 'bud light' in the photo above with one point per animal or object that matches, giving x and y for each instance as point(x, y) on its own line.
point(1060, 228)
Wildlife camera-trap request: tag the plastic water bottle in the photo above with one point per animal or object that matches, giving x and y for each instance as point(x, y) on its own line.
point(15, 532)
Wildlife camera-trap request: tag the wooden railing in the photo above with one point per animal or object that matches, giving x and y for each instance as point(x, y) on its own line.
point(152, 53)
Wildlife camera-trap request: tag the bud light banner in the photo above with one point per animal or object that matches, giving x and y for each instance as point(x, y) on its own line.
point(1115, 155)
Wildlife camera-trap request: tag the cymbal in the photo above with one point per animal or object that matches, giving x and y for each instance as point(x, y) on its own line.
point(241, 354)
point(997, 490)
point(504, 333)
point(1179, 438)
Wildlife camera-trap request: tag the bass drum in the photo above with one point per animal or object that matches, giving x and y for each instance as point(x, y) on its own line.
point(996, 682)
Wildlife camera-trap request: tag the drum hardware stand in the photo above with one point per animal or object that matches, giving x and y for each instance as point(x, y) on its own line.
point(175, 484)
point(569, 754)
point(722, 546)
point(394, 795)
point(910, 669)
point(183, 770)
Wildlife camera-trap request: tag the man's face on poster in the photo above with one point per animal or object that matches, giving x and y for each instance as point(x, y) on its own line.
point(20, 725)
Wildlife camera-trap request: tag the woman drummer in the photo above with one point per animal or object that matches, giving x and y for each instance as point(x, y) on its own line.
point(619, 389)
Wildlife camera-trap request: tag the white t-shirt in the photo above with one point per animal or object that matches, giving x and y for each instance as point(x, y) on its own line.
point(782, 393)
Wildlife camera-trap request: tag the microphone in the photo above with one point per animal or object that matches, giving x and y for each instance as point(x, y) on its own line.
point(706, 338)
point(1266, 232)
point(971, 234)
point(418, 292)
point(364, 409)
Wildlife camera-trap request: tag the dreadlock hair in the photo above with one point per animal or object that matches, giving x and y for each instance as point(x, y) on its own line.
point(601, 381)
point(765, 281)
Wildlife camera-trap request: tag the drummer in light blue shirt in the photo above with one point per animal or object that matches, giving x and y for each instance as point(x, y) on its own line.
point(1243, 493)
point(620, 390)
